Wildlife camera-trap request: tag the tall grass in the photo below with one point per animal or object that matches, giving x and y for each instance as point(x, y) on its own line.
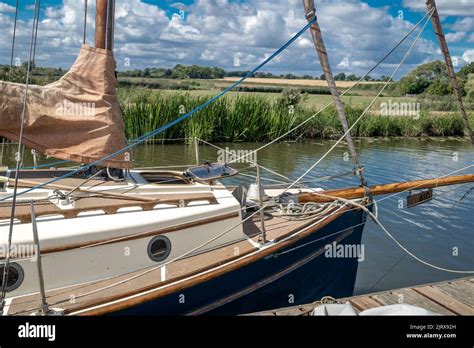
point(258, 119)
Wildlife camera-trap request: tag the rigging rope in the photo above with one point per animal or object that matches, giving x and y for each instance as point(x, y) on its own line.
point(18, 161)
point(377, 222)
point(13, 41)
point(155, 132)
point(145, 137)
point(372, 102)
point(407, 35)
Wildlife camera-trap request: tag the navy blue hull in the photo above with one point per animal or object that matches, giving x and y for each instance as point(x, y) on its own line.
point(298, 274)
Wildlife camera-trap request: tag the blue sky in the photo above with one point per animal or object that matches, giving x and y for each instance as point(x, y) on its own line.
point(238, 34)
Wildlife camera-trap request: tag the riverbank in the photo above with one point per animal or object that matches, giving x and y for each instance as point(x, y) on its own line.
point(256, 118)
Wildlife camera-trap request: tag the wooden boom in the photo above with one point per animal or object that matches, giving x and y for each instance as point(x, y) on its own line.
point(359, 192)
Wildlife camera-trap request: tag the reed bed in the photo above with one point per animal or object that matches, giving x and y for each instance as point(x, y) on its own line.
point(250, 118)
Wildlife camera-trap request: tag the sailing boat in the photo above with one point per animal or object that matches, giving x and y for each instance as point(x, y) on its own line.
point(109, 239)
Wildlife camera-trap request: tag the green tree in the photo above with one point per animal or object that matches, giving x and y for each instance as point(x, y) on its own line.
point(340, 77)
point(463, 74)
point(418, 80)
point(438, 87)
point(470, 88)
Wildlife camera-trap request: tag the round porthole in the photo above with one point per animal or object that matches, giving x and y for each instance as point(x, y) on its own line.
point(159, 248)
point(15, 276)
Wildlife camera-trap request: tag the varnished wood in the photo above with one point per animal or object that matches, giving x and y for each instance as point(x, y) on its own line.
point(358, 192)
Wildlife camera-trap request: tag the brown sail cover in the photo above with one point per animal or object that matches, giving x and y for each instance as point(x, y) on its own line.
point(76, 118)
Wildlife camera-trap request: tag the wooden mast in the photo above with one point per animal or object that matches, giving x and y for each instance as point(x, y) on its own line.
point(431, 4)
point(323, 58)
point(104, 18)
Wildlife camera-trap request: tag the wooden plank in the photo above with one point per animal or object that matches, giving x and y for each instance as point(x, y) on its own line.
point(413, 298)
point(365, 302)
point(461, 290)
point(443, 299)
point(457, 298)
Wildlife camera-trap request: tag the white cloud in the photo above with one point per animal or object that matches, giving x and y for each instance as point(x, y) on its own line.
point(6, 8)
point(455, 37)
point(468, 56)
point(217, 32)
point(445, 7)
point(464, 24)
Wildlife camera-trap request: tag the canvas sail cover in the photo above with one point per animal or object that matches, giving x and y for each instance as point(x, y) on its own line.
point(76, 118)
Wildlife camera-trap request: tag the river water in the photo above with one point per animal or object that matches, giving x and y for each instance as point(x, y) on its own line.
point(440, 232)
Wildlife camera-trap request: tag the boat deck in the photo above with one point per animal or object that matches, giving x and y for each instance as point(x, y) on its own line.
point(455, 297)
point(73, 299)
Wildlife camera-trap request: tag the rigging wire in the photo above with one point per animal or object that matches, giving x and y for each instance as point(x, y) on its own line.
point(13, 41)
point(18, 161)
point(157, 131)
point(371, 103)
point(10, 70)
point(407, 35)
point(295, 182)
point(85, 23)
point(33, 58)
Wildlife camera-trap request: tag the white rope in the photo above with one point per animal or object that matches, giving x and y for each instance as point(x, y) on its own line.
point(429, 180)
point(371, 103)
point(377, 222)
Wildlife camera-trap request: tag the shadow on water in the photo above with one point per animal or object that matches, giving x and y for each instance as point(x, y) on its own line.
point(440, 231)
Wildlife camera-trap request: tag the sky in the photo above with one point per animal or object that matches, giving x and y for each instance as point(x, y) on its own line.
point(239, 34)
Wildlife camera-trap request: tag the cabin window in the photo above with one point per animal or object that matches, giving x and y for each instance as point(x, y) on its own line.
point(159, 248)
point(15, 276)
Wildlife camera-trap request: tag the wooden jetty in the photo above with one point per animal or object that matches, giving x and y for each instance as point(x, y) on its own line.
point(454, 297)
